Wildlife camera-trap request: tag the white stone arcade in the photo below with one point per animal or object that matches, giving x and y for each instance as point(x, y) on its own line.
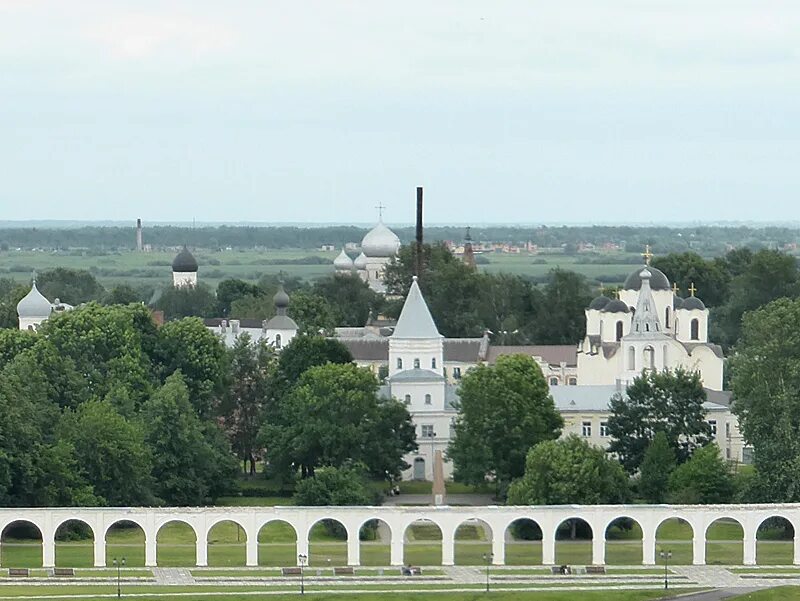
point(496, 520)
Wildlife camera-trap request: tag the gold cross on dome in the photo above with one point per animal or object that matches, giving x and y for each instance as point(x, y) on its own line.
point(380, 208)
point(675, 288)
point(647, 254)
point(692, 289)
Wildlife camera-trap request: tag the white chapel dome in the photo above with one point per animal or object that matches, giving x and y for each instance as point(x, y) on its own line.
point(380, 241)
point(361, 261)
point(343, 262)
point(34, 304)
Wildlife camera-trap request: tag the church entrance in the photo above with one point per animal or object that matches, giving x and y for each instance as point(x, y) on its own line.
point(419, 468)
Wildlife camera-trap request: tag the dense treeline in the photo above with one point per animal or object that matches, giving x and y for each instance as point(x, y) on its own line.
point(707, 240)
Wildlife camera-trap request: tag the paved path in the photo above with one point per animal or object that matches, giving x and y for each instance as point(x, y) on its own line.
point(710, 576)
point(454, 499)
point(173, 576)
point(463, 574)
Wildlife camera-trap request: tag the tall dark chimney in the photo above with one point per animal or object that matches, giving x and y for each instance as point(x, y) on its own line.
point(139, 246)
point(418, 249)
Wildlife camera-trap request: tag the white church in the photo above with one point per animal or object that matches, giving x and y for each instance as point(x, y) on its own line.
point(378, 247)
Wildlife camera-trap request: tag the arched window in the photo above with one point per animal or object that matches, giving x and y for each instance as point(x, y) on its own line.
point(664, 356)
point(649, 357)
point(631, 358)
point(573, 381)
point(427, 399)
point(277, 341)
point(408, 399)
point(666, 318)
point(399, 363)
point(647, 327)
point(416, 363)
point(553, 381)
point(601, 329)
point(619, 331)
point(695, 329)
point(433, 363)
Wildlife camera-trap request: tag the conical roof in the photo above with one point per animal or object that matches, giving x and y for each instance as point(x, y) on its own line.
point(645, 320)
point(34, 304)
point(415, 319)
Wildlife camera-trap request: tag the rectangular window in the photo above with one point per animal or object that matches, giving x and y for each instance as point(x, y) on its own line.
point(727, 452)
point(604, 429)
point(457, 373)
point(727, 429)
point(573, 381)
point(713, 424)
point(427, 430)
point(586, 429)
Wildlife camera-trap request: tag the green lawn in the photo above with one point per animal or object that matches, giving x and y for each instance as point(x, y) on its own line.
point(782, 593)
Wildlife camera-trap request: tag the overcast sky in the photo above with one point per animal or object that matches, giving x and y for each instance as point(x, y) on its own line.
point(506, 111)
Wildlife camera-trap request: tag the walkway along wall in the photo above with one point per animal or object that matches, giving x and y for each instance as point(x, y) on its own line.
point(398, 519)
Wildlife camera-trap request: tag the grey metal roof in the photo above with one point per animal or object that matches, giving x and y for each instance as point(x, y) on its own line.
point(658, 281)
point(367, 349)
point(281, 322)
point(597, 398)
point(416, 375)
point(554, 354)
point(462, 350)
point(415, 319)
point(693, 304)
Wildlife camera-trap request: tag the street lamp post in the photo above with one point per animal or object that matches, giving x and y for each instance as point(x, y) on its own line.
point(301, 559)
point(487, 557)
point(666, 555)
point(118, 564)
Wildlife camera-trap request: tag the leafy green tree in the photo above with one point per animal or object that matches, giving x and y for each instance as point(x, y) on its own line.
point(305, 352)
point(186, 345)
point(329, 419)
point(561, 318)
point(8, 316)
point(335, 486)
point(313, 314)
point(508, 308)
point(252, 372)
point(766, 389)
point(709, 276)
point(187, 301)
point(122, 294)
point(350, 297)
point(73, 286)
point(666, 401)
point(252, 307)
point(505, 409)
point(704, 479)
point(231, 290)
point(186, 465)
point(566, 471)
point(13, 342)
point(657, 466)
point(112, 451)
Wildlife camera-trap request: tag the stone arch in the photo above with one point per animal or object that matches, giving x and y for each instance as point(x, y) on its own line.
point(422, 542)
point(623, 539)
point(277, 543)
point(327, 542)
point(74, 543)
point(176, 544)
point(775, 540)
point(226, 541)
point(21, 544)
point(375, 541)
point(720, 535)
point(574, 537)
point(473, 540)
point(675, 534)
point(523, 540)
point(125, 538)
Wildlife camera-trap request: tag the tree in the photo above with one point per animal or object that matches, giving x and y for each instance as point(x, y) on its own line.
point(122, 294)
point(333, 417)
point(112, 451)
point(567, 471)
point(766, 389)
point(231, 290)
point(13, 342)
point(186, 465)
point(666, 401)
point(252, 307)
point(335, 486)
point(704, 479)
point(561, 318)
point(305, 352)
point(351, 298)
point(313, 313)
point(187, 301)
point(709, 277)
point(188, 346)
point(73, 286)
point(657, 466)
point(504, 410)
point(252, 368)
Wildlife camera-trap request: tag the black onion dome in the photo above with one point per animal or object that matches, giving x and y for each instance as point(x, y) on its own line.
point(658, 281)
point(693, 303)
point(281, 299)
point(184, 261)
point(677, 302)
point(600, 302)
point(616, 306)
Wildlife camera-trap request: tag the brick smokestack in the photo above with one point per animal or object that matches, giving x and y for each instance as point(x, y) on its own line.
point(139, 235)
point(418, 245)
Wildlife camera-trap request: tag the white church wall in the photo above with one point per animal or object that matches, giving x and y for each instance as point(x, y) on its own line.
point(427, 353)
point(184, 279)
point(685, 318)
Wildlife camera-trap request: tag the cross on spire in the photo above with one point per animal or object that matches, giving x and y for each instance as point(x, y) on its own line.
point(675, 288)
point(692, 289)
point(380, 208)
point(647, 254)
